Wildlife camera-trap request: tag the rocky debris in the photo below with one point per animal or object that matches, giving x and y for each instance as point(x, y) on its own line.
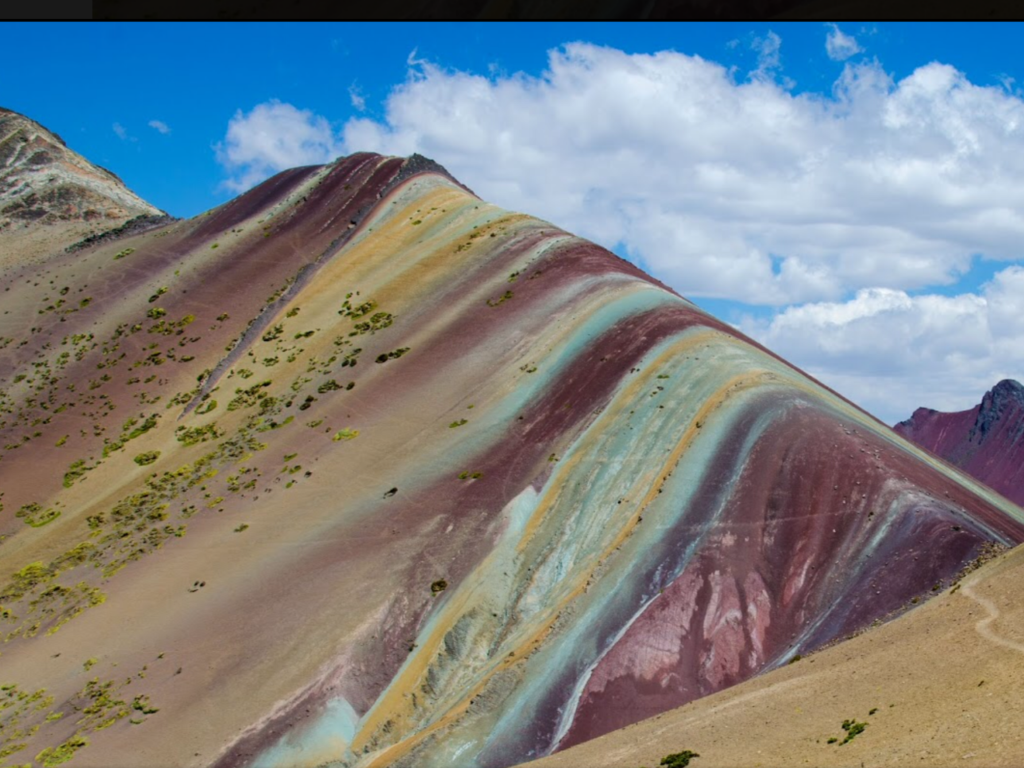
point(135, 226)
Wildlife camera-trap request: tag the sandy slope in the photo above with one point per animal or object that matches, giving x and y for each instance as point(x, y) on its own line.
point(947, 680)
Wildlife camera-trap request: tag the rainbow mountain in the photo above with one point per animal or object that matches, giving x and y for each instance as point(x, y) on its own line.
point(360, 470)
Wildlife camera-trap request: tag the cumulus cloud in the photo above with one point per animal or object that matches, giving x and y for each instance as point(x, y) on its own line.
point(892, 352)
point(160, 126)
point(272, 137)
point(840, 46)
point(733, 188)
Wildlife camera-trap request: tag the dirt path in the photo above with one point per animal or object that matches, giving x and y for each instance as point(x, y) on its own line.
point(984, 626)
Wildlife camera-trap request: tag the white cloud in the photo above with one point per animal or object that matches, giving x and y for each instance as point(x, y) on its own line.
point(160, 126)
point(840, 46)
point(709, 181)
point(356, 97)
point(892, 352)
point(272, 137)
point(769, 57)
point(413, 61)
point(122, 133)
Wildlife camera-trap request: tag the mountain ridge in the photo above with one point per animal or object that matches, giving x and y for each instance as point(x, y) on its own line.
point(986, 441)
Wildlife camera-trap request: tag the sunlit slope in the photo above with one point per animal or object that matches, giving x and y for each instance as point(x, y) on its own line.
point(940, 686)
point(360, 469)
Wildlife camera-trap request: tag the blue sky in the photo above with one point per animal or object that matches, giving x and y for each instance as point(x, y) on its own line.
point(846, 194)
point(194, 76)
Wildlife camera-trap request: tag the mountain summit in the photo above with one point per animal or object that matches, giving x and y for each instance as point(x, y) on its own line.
point(986, 441)
point(50, 194)
point(360, 469)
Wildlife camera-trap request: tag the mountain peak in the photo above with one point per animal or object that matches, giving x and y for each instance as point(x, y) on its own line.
point(986, 441)
point(45, 185)
point(1008, 389)
point(1004, 397)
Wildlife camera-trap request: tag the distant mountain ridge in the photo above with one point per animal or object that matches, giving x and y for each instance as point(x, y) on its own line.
point(986, 441)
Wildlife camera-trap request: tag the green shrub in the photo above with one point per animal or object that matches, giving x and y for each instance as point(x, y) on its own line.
point(852, 728)
point(143, 705)
point(33, 514)
point(194, 435)
point(75, 471)
point(500, 300)
point(53, 756)
point(393, 355)
point(678, 759)
point(146, 458)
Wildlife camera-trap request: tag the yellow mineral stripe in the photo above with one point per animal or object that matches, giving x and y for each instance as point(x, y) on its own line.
point(384, 710)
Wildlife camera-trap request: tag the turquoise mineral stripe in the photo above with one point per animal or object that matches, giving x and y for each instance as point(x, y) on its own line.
point(329, 736)
point(576, 649)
